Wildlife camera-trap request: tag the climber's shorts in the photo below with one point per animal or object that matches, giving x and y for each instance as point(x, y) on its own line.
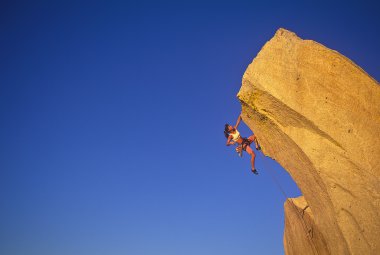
point(246, 142)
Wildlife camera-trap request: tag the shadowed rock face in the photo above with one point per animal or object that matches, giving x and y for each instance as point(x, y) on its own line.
point(318, 114)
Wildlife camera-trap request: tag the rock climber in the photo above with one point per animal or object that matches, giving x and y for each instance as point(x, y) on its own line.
point(233, 136)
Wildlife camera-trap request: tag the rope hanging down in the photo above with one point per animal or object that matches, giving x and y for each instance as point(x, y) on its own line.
point(307, 230)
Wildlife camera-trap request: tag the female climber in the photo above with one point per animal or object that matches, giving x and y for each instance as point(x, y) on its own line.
point(233, 136)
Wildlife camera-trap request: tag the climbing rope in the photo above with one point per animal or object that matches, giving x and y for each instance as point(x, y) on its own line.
point(303, 223)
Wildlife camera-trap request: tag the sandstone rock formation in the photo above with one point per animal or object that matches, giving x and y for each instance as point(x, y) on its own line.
point(318, 115)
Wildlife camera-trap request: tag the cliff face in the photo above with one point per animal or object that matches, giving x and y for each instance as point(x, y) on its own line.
point(318, 114)
point(301, 235)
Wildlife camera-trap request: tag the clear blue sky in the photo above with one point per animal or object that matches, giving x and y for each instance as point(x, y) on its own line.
point(112, 115)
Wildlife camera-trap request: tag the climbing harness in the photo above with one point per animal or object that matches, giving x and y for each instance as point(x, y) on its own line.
point(308, 231)
point(242, 147)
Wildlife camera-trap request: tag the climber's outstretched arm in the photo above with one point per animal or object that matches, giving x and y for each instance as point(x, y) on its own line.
point(238, 121)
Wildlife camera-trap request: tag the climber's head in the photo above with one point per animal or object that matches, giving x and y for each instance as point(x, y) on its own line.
point(227, 129)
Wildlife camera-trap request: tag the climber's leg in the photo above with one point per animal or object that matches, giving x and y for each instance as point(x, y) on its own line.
point(253, 138)
point(253, 156)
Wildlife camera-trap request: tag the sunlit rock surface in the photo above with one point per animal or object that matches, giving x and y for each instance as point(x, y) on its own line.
point(318, 115)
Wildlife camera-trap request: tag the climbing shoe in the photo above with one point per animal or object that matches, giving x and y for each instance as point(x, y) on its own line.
point(258, 148)
point(254, 171)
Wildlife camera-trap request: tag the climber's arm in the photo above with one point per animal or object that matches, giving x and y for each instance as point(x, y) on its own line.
point(238, 121)
point(229, 142)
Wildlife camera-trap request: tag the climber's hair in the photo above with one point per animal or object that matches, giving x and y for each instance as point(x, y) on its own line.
point(226, 133)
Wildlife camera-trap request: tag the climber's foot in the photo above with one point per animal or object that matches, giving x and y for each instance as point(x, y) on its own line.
point(258, 148)
point(254, 171)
